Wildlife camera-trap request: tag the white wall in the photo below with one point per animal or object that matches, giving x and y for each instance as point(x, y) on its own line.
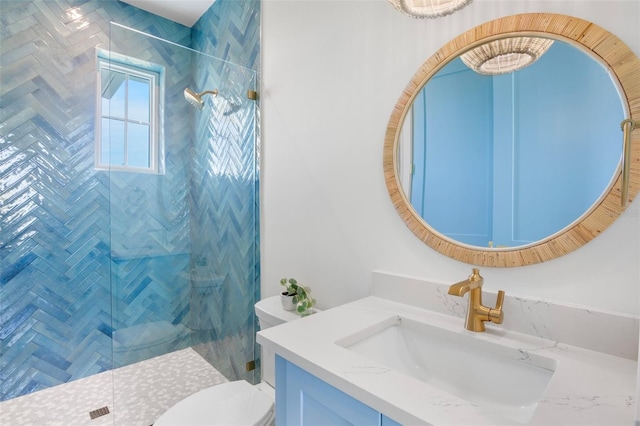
point(332, 72)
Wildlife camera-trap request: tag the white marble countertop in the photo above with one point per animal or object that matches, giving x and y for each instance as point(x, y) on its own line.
point(587, 388)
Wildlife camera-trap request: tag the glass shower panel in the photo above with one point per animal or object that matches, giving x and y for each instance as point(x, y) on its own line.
point(149, 211)
point(184, 254)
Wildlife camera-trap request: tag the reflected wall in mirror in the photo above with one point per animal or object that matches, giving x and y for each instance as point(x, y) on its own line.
point(492, 159)
point(522, 167)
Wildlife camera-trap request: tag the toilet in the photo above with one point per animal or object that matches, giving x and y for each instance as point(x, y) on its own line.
point(237, 402)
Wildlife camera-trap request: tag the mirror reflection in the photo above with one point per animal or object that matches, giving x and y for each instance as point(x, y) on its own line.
point(511, 159)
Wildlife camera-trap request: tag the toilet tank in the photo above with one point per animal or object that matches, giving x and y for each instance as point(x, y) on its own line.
point(270, 313)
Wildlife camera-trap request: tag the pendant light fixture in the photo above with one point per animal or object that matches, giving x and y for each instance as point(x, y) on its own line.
point(506, 55)
point(429, 8)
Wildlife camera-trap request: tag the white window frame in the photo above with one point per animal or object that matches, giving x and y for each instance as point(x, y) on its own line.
point(140, 69)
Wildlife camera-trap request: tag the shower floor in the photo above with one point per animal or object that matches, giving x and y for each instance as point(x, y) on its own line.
point(144, 391)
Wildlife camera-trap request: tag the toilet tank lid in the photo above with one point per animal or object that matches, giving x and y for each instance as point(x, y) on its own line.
point(270, 309)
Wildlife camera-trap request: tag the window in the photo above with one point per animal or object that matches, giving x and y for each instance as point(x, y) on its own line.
point(127, 123)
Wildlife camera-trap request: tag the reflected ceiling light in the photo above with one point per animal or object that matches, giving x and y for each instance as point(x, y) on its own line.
point(506, 55)
point(429, 8)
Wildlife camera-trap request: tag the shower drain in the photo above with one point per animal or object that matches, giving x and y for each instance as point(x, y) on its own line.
point(99, 412)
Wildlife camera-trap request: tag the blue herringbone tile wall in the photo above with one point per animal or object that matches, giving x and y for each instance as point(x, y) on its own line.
point(230, 30)
point(224, 192)
point(77, 245)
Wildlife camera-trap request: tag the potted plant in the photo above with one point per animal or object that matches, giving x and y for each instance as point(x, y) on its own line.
point(296, 297)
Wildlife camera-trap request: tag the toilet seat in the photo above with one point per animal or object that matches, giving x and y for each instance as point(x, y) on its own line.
point(233, 403)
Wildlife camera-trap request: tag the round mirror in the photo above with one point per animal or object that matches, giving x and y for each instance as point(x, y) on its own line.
point(507, 168)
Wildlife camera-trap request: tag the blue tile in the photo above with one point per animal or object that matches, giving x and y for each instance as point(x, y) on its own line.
point(9, 272)
point(49, 374)
point(52, 309)
point(52, 358)
point(15, 321)
point(106, 330)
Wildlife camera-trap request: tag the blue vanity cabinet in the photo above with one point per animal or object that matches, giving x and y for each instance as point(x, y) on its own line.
point(303, 399)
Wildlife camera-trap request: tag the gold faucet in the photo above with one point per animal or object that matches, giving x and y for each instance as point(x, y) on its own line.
point(477, 314)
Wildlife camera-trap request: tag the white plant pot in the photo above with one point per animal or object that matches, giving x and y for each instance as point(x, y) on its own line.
point(287, 302)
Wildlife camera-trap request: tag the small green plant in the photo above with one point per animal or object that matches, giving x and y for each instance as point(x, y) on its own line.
point(301, 295)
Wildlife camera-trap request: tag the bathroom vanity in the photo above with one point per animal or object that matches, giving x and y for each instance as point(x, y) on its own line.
point(403, 356)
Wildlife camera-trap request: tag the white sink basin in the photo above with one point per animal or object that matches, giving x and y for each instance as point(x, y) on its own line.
point(500, 379)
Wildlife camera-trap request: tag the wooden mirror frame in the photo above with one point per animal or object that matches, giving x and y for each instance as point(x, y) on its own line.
point(623, 65)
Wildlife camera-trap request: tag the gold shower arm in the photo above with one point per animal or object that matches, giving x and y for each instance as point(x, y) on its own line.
point(627, 126)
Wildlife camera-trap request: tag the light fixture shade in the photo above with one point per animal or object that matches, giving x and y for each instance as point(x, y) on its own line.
point(429, 8)
point(506, 55)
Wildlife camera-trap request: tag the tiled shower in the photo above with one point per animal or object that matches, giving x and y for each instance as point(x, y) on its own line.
point(101, 269)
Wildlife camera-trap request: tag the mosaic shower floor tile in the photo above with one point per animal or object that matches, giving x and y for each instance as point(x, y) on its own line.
point(135, 395)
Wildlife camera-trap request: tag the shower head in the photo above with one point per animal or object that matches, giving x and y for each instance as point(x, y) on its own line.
point(195, 99)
